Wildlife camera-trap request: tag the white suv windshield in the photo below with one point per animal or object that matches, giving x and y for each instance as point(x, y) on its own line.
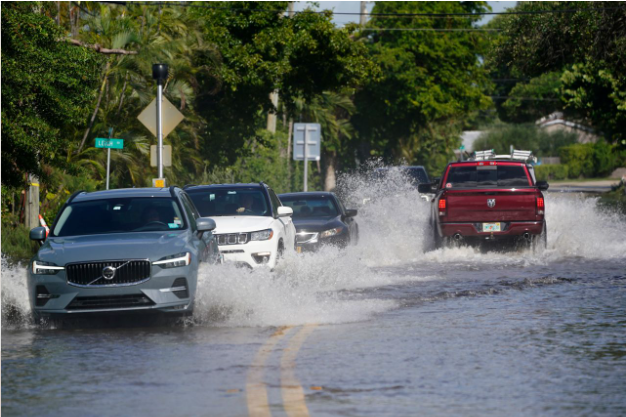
point(231, 202)
point(119, 215)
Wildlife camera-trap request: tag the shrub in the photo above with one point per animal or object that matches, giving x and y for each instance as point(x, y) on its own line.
point(16, 244)
point(579, 159)
point(551, 172)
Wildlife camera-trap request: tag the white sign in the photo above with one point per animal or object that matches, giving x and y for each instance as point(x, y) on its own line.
point(171, 117)
point(167, 155)
point(312, 134)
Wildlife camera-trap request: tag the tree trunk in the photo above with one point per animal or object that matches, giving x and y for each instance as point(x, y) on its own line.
point(330, 180)
point(95, 111)
point(289, 134)
point(119, 107)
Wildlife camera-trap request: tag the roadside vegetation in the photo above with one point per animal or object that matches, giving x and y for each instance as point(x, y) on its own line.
point(74, 70)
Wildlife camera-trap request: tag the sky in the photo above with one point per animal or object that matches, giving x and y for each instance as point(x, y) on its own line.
point(354, 6)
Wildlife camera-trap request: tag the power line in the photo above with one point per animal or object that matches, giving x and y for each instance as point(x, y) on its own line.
point(434, 15)
point(523, 98)
point(430, 30)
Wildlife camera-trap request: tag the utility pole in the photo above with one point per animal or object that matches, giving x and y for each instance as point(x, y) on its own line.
point(290, 9)
point(363, 19)
point(109, 158)
point(159, 73)
point(32, 202)
point(271, 117)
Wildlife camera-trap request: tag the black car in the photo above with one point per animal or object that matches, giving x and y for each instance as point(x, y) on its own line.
point(321, 219)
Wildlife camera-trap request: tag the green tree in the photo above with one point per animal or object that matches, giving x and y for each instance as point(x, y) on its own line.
point(431, 81)
point(587, 47)
point(46, 85)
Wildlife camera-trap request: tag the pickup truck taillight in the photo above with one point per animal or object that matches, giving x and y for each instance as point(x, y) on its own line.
point(442, 207)
point(540, 205)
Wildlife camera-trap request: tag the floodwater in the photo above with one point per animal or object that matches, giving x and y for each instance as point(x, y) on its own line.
point(383, 328)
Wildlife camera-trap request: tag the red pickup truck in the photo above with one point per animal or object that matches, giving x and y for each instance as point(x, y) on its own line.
point(488, 200)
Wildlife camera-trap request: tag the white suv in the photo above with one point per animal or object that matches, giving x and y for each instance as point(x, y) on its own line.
point(253, 227)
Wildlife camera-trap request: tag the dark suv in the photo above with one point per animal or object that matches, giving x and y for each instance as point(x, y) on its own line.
point(127, 250)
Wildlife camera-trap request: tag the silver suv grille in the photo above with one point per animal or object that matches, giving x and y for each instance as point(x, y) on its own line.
point(232, 239)
point(91, 274)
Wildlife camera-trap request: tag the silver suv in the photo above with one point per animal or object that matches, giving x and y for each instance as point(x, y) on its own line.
point(127, 250)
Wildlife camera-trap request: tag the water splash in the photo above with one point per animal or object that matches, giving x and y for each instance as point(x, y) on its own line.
point(341, 286)
point(15, 305)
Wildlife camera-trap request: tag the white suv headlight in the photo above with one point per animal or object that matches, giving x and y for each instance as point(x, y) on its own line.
point(45, 268)
point(331, 232)
point(173, 261)
point(262, 235)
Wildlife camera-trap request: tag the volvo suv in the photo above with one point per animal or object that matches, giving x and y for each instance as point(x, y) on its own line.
point(121, 251)
point(253, 227)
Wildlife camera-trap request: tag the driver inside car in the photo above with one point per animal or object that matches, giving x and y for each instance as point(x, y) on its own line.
point(246, 202)
point(151, 215)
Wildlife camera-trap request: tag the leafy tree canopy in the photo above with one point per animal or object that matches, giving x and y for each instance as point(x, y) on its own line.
point(46, 84)
point(430, 80)
point(261, 51)
point(587, 47)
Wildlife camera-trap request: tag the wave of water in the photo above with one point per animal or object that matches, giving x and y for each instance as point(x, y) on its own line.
point(327, 287)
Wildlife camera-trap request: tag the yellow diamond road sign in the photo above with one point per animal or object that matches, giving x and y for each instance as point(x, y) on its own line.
point(171, 117)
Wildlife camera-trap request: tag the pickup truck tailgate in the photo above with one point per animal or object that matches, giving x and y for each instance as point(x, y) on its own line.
point(474, 206)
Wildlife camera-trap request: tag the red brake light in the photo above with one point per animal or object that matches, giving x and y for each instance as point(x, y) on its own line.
point(442, 204)
point(540, 202)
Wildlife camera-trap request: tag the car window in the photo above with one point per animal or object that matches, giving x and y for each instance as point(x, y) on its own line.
point(230, 202)
point(487, 176)
point(189, 208)
point(119, 215)
point(275, 202)
point(311, 206)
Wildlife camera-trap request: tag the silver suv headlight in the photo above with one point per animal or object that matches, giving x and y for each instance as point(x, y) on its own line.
point(46, 268)
point(173, 261)
point(331, 232)
point(262, 235)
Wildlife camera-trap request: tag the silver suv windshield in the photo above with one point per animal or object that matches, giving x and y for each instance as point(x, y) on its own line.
point(231, 202)
point(119, 215)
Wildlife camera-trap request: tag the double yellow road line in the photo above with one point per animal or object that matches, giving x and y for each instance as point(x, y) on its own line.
point(291, 390)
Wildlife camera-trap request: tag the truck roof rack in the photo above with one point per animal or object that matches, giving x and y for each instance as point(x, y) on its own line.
point(516, 155)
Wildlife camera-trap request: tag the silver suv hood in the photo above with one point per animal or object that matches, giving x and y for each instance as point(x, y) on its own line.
point(140, 245)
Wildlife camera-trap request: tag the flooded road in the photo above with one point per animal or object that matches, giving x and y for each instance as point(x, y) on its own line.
point(384, 328)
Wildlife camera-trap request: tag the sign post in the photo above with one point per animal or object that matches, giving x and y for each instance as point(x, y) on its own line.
point(108, 144)
point(160, 117)
point(307, 139)
point(159, 73)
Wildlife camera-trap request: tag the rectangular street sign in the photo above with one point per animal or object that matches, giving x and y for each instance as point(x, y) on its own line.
point(313, 132)
point(167, 155)
point(110, 143)
point(159, 182)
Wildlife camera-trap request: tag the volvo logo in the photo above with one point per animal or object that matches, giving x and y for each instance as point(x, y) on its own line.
point(491, 202)
point(108, 272)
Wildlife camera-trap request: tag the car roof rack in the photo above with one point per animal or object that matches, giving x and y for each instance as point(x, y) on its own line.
point(515, 155)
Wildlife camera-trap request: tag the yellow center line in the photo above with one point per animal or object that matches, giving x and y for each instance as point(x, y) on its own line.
point(256, 391)
point(292, 392)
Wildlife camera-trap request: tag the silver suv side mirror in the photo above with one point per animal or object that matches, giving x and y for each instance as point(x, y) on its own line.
point(205, 224)
point(38, 234)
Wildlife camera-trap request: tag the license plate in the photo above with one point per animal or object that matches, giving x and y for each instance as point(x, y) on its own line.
point(299, 249)
point(491, 227)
